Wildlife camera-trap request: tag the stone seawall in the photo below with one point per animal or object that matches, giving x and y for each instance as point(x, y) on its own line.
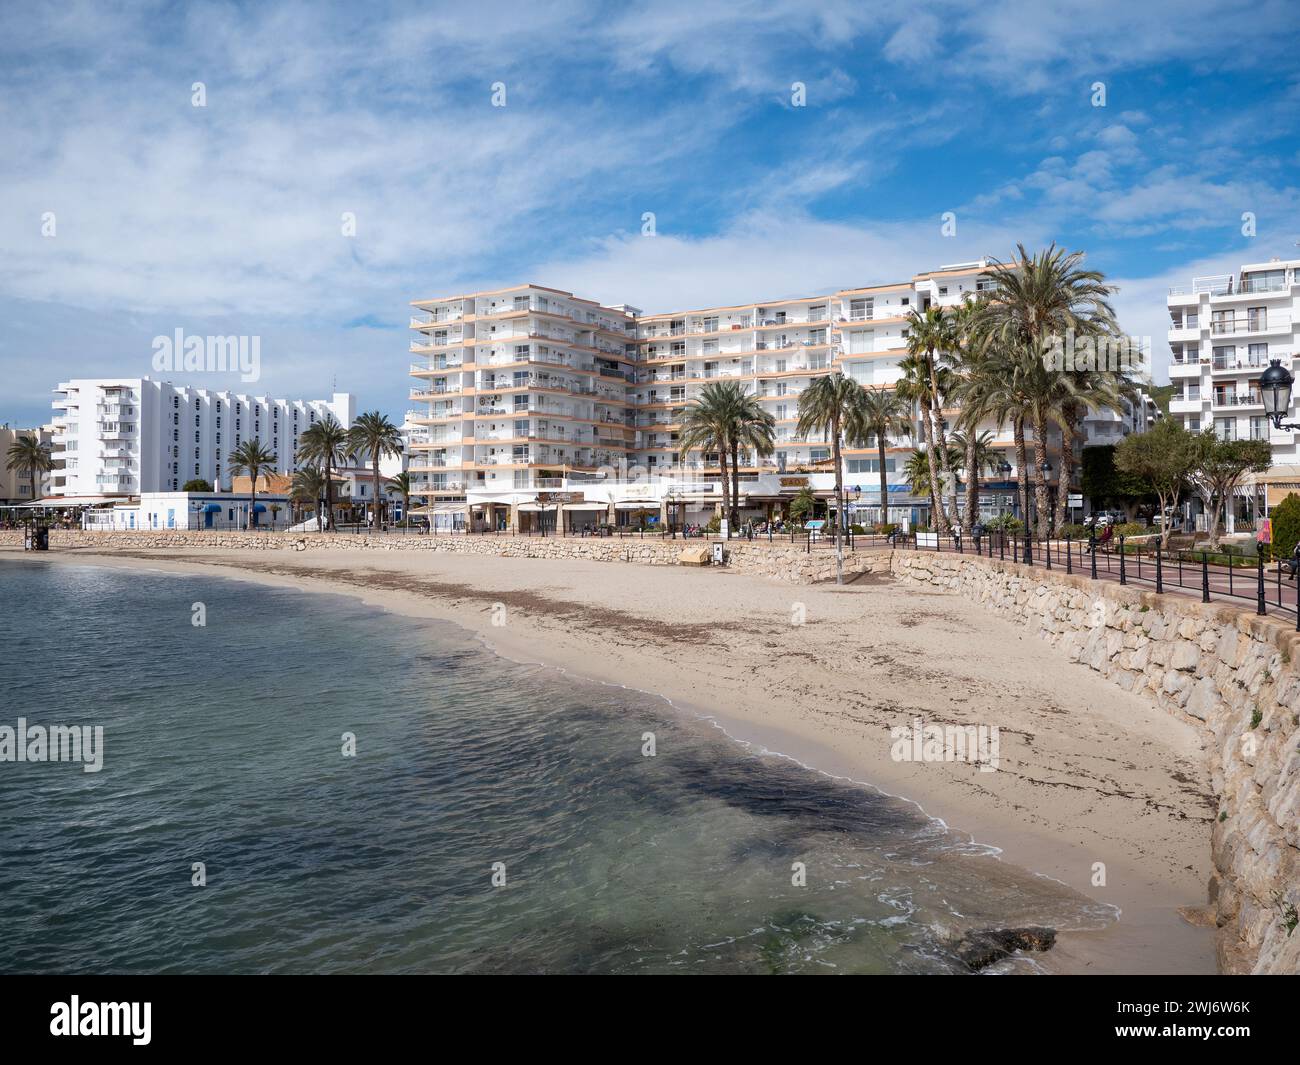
point(1233, 674)
point(784, 562)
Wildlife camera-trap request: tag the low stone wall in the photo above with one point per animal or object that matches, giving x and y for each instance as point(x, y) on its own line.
point(776, 561)
point(1232, 673)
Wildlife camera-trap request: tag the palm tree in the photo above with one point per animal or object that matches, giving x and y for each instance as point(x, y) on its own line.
point(802, 504)
point(916, 472)
point(325, 443)
point(709, 424)
point(977, 455)
point(252, 458)
point(1033, 301)
point(885, 415)
point(308, 486)
point(402, 483)
point(998, 385)
point(929, 334)
point(374, 435)
point(914, 388)
point(834, 407)
point(31, 457)
point(752, 427)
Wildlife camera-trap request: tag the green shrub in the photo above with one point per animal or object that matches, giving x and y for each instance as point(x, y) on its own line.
point(1131, 528)
point(1285, 519)
point(884, 528)
point(1074, 531)
point(857, 529)
point(1007, 523)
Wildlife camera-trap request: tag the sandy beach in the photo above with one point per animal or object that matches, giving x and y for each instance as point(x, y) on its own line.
point(1088, 774)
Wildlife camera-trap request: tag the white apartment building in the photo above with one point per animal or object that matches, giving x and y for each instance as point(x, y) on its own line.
point(128, 436)
point(1223, 331)
point(530, 389)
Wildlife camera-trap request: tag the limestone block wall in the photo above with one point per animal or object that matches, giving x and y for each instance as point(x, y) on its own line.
point(1232, 673)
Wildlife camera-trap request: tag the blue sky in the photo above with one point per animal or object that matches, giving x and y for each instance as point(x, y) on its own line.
point(226, 219)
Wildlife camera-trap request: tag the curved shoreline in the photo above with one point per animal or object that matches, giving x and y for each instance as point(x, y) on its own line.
point(1107, 950)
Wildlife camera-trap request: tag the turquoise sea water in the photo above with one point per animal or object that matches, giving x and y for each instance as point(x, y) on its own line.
point(222, 745)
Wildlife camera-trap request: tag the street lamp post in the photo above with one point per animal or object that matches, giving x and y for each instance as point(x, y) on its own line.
point(1275, 385)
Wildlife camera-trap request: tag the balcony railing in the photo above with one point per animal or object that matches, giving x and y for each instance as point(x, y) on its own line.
point(1250, 323)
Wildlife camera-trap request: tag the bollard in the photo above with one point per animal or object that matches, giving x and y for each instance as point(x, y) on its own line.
point(1069, 558)
point(1260, 608)
point(1092, 552)
point(1123, 577)
point(1160, 576)
point(1205, 577)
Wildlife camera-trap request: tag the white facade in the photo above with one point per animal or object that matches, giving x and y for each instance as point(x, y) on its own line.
point(188, 510)
point(1223, 331)
point(529, 388)
point(128, 436)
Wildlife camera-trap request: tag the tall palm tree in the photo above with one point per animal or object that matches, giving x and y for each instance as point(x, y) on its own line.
point(1032, 301)
point(325, 444)
point(308, 486)
point(834, 407)
point(752, 428)
point(968, 351)
point(710, 423)
point(885, 414)
point(999, 385)
point(374, 435)
point(252, 458)
point(930, 333)
point(402, 483)
point(913, 387)
point(31, 457)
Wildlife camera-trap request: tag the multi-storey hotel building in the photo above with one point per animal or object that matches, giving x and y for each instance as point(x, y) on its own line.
point(531, 389)
point(1223, 330)
point(127, 436)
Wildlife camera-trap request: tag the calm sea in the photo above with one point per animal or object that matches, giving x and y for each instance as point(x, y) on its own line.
point(223, 745)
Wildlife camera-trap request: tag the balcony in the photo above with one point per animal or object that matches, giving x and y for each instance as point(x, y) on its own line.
point(442, 318)
point(1263, 284)
point(1250, 323)
point(1240, 362)
point(1238, 399)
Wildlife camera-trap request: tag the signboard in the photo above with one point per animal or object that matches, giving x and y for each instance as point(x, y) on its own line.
point(718, 557)
point(1074, 499)
point(927, 539)
point(544, 498)
point(794, 482)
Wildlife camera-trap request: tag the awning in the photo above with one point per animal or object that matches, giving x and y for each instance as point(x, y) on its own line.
point(637, 504)
point(50, 502)
point(213, 508)
point(259, 508)
point(584, 506)
point(446, 508)
point(532, 508)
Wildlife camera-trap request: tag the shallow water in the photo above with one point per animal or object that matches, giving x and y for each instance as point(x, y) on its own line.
point(223, 745)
